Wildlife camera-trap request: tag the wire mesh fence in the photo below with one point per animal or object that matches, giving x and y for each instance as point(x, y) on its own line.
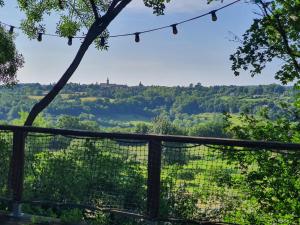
point(231, 184)
point(99, 172)
point(179, 181)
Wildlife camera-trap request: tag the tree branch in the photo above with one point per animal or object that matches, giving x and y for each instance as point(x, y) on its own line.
point(95, 30)
point(42, 104)
point(118, 7)
point(94, 8)
point(113, 5)
point(279, 27)
point(78, 14)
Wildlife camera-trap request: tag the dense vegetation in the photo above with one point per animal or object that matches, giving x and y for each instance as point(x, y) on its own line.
point(252, 186)
point(269, 179)
point(10, 59)
point(106, 104)
point(198, 182)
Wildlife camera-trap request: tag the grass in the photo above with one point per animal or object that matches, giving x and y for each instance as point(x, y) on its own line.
point(65, 96)
point(235, 119)
point(225, 98)
point(35, 97)
point(88, 99)
point(130, 118)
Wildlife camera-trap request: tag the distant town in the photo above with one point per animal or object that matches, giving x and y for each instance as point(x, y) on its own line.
point(108, 84)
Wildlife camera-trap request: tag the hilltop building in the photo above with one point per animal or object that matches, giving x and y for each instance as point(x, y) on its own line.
point(108, 84)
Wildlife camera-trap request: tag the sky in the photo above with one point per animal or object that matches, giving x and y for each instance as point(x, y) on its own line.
point(199, 53)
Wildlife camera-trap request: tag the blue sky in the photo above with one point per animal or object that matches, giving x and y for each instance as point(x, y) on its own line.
point(199, 53)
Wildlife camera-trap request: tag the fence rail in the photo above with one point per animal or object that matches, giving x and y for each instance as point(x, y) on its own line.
point(183, 180)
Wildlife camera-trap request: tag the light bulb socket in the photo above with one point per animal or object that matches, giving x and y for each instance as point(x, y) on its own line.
point(61, 4)
point(11, 30)
point(70, 40)
point(40, 37)
point(102, 41)
point(174, 29)
point(137, 37)
point(214, 15)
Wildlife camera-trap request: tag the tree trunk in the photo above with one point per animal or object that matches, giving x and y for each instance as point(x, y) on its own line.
point(41, 105)
point(95, 30)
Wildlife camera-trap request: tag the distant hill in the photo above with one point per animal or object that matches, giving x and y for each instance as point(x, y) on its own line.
point(112, 101)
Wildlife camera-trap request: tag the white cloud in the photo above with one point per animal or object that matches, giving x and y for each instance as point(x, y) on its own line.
point(178, 6)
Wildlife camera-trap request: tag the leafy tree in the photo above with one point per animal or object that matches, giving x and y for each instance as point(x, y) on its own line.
point(72, 122)
point(209, 129)
point(269, 175)
point(274, 35)
point(141, 128)
point(98, 179)
point(90, 16)
point(177, 201)
point(284, 127)
point(163, 125)
point(10, 59)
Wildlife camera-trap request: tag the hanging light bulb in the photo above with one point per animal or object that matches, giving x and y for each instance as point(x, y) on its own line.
point(11, 30)
point(70, 40)
point(214, 15)
point(174, 28)
point(60, 4)
point(137, 37)
point(40, 37)
point(102, 42)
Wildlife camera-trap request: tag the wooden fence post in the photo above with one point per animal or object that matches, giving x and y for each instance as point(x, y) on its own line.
point(17, 171)
point(153, 184)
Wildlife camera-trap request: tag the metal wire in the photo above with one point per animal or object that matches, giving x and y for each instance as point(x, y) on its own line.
point(103, 171)
point(144, 31)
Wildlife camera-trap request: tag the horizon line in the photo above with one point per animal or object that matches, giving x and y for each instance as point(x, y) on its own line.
point(152, 85)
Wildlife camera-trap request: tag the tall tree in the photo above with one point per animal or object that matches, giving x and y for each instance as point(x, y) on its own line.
point(10, 59)
point(74, 16)
point(274, 35)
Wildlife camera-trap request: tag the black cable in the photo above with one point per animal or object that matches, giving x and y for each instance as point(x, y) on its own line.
point(144, 31)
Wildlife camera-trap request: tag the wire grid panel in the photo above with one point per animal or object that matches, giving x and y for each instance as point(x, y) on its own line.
point(233, 185)
point(6, 143)
point(96, 172)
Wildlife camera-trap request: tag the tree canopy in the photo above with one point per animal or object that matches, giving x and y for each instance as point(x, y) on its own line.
point(275, 34)
point(10, 59)
point(75, 17)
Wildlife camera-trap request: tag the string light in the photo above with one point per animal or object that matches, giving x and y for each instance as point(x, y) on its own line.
point(102, 42)
point(137, 37)
point(214, 15)
point(11, 30)
point(70, 40)
point(174, 28)
point(136, 34)
point(40, 37)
